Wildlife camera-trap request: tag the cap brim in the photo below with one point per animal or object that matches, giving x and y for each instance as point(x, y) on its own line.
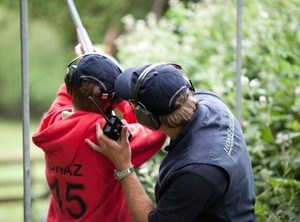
point(123, 84)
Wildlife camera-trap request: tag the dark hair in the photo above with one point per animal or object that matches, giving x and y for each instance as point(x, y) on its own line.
point(80, 97)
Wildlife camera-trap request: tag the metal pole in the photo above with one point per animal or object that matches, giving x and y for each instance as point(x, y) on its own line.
point(25, 110)
point(239, 58)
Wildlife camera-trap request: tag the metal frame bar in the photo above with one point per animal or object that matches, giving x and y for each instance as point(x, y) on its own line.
point(25, 110)
point(239, 59)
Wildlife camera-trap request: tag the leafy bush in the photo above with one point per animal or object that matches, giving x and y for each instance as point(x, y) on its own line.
point(202, 37)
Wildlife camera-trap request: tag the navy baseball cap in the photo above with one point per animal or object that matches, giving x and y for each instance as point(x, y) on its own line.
point(98, 69)
point(159, 89)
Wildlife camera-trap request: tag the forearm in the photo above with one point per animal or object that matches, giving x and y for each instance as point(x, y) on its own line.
point(138, 201)
point(119, 152)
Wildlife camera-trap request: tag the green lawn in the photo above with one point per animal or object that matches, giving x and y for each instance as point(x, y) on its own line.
point(11, 173)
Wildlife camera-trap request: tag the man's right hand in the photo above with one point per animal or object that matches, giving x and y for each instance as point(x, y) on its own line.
point(78, 50)
point(119, 152)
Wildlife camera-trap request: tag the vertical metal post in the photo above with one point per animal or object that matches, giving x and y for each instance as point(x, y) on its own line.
point(239, 58)
point(25, 110)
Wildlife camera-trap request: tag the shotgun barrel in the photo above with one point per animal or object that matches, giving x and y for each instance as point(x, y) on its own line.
point(82, 35)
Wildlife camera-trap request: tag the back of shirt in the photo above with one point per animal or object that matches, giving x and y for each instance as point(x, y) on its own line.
point(81, 181)
point(212, 137)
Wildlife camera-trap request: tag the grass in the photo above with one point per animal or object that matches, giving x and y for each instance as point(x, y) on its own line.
point(11, 173)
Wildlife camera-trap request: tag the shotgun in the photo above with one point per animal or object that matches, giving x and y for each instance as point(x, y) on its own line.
point(113, 125)
point(82, 35)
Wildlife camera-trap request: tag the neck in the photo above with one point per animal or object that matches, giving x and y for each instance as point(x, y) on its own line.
point(171, 132)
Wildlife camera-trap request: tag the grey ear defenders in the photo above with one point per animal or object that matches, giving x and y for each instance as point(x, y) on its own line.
point(143, 115)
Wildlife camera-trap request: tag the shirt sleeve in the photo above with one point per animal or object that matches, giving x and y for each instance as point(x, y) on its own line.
point(127, 111)
point(190, 194)
point(145, 143)
point(63, 98)
point(62, 101)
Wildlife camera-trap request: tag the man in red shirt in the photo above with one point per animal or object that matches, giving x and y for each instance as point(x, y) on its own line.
point(80, 181)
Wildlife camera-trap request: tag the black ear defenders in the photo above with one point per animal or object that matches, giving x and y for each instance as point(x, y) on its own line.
point(71, 68)
point(143, 115)
point(71, 79)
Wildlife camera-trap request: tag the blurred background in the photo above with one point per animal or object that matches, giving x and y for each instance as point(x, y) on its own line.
point(199, 35)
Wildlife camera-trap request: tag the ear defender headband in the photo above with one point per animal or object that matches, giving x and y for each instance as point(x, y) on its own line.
point(143, 115)
point(70, 78)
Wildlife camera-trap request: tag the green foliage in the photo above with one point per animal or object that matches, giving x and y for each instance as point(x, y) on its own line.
point(96, 15)
point(52, 37)
point(10, 78)
point(47, 63)
point(202, 37)
point(272, 68)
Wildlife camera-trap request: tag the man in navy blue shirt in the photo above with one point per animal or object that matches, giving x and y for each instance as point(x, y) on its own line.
point(206, 174)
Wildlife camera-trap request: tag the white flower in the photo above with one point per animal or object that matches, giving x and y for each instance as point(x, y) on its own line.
point(264, 14)
point(151, 20)
point(262, 99)
point(229, 83)
point(281, 138)
point(297, 90)
point(129, 22)
point(245, 80)
point(254, 83)
point(173, 3)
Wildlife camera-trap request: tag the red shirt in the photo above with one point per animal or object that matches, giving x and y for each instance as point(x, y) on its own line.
point(81, 181)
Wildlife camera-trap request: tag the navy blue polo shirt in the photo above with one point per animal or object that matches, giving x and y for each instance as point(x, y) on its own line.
point(194, 189)
point(206, 174)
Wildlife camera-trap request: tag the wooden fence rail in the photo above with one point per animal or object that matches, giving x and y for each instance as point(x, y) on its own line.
point(17, 181)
